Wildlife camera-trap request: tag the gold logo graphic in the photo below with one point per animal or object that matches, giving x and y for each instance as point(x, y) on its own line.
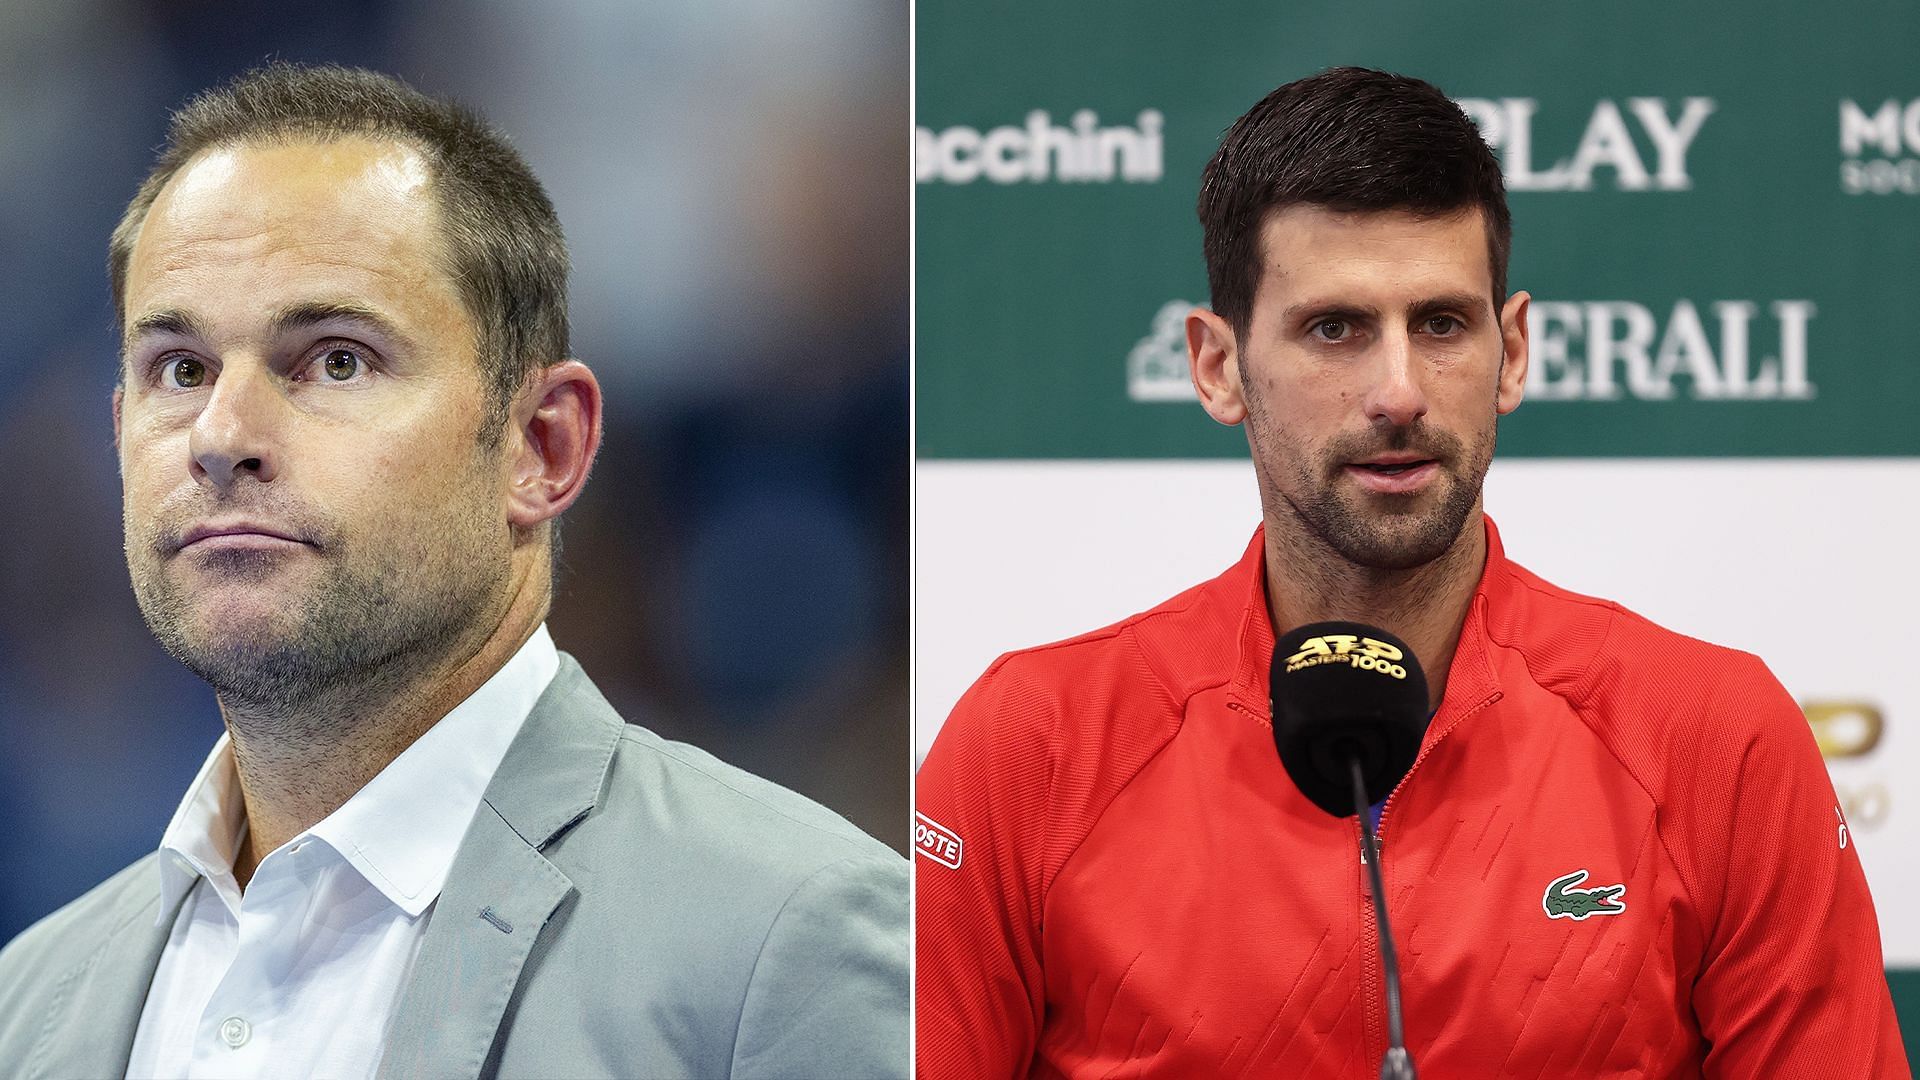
point(1365, 653)
point(1844, 729)
point(1867, 805)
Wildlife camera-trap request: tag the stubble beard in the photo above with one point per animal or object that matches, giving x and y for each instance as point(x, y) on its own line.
point(369, 623)
point(1375, 532)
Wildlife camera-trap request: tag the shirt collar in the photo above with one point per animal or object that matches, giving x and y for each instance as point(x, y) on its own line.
point(1471, 682)
point(402, 830)
point(206, 831)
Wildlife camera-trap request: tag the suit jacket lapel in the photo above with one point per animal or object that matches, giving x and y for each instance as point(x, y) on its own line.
point(97, 1005)
point(501, 891)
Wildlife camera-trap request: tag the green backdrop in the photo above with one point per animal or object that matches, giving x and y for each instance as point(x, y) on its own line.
point(1031, 294)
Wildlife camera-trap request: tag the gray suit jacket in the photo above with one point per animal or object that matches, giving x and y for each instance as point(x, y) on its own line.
point(621, 906)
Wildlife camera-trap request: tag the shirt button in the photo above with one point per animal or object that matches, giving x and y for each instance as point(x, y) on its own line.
point(235, 1032)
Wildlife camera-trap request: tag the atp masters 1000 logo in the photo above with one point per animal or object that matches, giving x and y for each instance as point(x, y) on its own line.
point(1363, 653)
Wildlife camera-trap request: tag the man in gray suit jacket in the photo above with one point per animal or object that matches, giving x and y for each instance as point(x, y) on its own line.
point(427, 846)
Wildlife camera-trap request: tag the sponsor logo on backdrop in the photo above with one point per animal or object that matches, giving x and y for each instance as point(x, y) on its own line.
point(1157, 364)
point(1869, 803)
point(1609, 350)
point(1606, 151)
point(1594, 350)
point(1079, 151)
point(1880, 147)
point(1844, 729)
point(1846, 732)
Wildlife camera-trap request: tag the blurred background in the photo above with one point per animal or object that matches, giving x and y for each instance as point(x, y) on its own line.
point(732, 178)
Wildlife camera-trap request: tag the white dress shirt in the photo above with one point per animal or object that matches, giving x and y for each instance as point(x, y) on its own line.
point(299, 976)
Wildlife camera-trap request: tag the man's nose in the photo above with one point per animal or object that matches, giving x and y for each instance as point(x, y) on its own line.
point(234, 435)
point(1396, 395)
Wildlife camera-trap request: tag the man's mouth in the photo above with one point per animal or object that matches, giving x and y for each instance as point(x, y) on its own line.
point(1393, 469)
point(1394, 474)
point(1393, 462)
point(239, 535)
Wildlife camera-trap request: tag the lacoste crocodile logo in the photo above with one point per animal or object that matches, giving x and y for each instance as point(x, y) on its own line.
point(1563, 901)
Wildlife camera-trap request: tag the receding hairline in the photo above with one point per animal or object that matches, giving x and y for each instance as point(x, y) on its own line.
point(160, 182)
point(126, 237)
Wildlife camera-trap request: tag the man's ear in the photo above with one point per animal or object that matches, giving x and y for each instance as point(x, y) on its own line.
point(1213, 359)
point(1513, 353)
point(118, 394)
point(554, 431)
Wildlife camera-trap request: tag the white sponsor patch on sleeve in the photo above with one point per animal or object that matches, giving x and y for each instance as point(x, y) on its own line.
point(935, 841)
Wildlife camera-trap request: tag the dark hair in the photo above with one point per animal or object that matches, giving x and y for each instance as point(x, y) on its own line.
point(503, 239)
point(1349, 139)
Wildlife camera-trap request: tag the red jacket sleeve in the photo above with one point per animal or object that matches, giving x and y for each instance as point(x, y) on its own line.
point(981, 801)
point(1793, 982)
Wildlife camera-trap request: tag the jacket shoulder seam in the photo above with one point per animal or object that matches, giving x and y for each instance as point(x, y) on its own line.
point(1091, 637)
point(1093, 820)
point(1582, 709)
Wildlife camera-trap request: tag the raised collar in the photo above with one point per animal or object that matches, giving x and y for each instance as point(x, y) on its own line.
point(402, 829)
point(1470, 678)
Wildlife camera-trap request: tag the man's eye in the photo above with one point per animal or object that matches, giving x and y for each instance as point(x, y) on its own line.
point(341, 364)
point(183, 373)
point(1443, 325)
point(1331, 329)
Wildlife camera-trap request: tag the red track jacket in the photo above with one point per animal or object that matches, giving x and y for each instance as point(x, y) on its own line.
point(1116, 878)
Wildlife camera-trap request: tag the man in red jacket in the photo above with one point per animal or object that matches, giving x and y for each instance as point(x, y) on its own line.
point(1618, 853)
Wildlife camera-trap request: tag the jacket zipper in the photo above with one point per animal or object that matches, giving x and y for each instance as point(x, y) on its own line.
point(1380, 834)
point(1373, 1016)
point(1374, 1023)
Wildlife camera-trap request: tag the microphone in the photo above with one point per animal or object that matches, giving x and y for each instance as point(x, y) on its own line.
point(1349, 711)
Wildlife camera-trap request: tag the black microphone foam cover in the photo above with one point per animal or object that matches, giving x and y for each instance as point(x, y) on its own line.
point(1344, 690)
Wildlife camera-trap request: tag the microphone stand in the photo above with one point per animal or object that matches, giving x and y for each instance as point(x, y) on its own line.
point(1396, 1064)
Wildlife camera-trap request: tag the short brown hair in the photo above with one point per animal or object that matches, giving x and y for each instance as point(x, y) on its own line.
point(503, 238)
point(1349, 139)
